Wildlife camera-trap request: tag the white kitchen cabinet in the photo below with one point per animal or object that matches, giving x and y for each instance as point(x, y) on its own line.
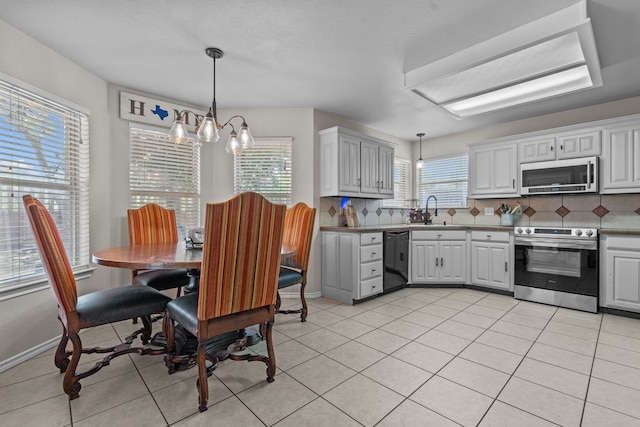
point(620, 272)
point(491, 256)
point(493, 170)
point(351, 265)
point(438, 256)
point(355, 165)
point(556, 146)
point(620, 163)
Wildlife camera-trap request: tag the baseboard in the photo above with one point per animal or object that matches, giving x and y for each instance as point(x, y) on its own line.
point(294, 294)
point(29, 354)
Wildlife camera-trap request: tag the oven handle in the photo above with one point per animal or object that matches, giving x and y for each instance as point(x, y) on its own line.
point(539, 242)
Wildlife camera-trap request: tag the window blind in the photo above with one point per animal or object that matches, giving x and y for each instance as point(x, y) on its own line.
point(44, 151)
point(401, 184)
point(446, 178)
point(165, 173)
point(265, 169)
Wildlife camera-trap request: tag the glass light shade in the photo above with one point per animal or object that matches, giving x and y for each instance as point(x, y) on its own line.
point(234, 145)
point(178, 132)
point(208, 130)
point(419, 163)
point(246, 139)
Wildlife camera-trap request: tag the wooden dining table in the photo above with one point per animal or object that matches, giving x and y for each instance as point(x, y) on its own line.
point(159, 256)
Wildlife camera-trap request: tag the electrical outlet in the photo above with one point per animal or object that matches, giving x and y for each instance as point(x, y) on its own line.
point(488, 211)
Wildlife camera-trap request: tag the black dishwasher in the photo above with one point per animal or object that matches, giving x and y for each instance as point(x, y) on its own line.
point(396, 260)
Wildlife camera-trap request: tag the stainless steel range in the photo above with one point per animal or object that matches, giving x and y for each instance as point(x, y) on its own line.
point(557, 266)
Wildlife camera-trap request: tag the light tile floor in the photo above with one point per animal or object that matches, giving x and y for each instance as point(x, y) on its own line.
point(416, 357)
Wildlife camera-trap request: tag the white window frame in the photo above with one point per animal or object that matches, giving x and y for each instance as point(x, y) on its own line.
point(268, 161)
point(401, 187)
point(44, 151)
point(165, 173)
point(457, 175)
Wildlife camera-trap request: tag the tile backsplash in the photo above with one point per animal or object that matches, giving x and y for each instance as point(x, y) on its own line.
point(618, 211)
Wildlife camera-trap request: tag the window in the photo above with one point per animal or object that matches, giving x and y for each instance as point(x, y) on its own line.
point(265, 169)
point(44, 151)
point(165, 173)
point(401, 184)
point(446, 178)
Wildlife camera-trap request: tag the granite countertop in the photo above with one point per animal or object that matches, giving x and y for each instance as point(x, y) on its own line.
point(399, 227)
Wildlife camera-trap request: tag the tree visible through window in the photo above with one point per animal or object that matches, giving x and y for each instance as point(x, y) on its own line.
point(265, 169)
point(44, 151)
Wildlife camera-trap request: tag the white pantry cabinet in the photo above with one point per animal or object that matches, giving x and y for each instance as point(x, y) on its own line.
point(620, 272)
point(355, 165)
point(493, 170)
point(351, 265)
point(491, 256)
point(438, 256)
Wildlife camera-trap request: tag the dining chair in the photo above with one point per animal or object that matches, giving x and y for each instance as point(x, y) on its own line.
point(238, 284)
point(89, 310)
point(154, 224)
point(298, 232)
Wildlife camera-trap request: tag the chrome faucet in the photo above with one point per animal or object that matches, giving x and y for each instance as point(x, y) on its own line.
point(427, 215)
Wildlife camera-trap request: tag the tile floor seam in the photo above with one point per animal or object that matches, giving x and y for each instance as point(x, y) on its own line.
point(584, 402)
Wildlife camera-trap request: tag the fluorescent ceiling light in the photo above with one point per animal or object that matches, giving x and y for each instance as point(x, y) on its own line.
point(549, 57)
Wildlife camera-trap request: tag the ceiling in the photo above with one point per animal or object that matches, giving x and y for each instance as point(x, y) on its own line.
point(345, 57)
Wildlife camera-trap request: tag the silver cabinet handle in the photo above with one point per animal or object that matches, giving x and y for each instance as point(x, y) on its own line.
point(436, 261)
point(381, 183)
point(505, 266)
point(551, 148)
point(514, 183)
point(441, 262)
point(488, 236)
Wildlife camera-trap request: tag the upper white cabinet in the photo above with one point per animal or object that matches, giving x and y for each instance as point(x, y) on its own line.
point(620, 163)
point(355, 165)
point(554, 146)
point(493, 170)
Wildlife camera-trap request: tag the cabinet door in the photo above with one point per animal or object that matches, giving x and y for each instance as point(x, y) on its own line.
point(493, 171)
point(339, 265)
point(385, 170)
point(349, 159)
point(579, 145)
point(621, 160)
point(423, 262)
point(538, 150)
point(452, 262)
point(490, 265)
point(622, 288)
point(369, 167)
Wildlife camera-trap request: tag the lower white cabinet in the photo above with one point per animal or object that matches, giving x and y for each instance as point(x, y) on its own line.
point(438, 256)
point(351, 265)
point(491, 264)
point(620, 272)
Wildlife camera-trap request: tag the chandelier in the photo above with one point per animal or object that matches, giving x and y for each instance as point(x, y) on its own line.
point(207, 129)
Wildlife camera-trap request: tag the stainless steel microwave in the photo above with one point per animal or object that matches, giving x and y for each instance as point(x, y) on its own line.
point(559, 176)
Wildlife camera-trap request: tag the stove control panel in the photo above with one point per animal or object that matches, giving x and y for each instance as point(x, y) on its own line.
point(582, 233)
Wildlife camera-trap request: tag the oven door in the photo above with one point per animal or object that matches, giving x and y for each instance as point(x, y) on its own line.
point(559, 269)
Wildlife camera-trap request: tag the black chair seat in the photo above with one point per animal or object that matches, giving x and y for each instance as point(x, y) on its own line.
point(288, 277)
point(163, 279)
point(184, 310)
point(121, 303)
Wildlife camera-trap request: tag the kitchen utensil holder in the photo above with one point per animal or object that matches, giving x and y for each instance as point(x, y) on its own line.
point(506, 220)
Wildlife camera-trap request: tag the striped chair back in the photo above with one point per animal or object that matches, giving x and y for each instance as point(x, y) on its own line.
point(298, 231)
point(53, 255)
point(152, 224)
point(241, 255)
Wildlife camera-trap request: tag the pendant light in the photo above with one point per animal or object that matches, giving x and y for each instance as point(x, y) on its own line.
point(420, 162)
point(208, 127)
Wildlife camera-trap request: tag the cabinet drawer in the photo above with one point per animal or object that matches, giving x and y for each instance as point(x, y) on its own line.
point(370, 253)
point(370, 287)
point(370, 269)
point(439, 234)
point(493, 236)
point(370, 238)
